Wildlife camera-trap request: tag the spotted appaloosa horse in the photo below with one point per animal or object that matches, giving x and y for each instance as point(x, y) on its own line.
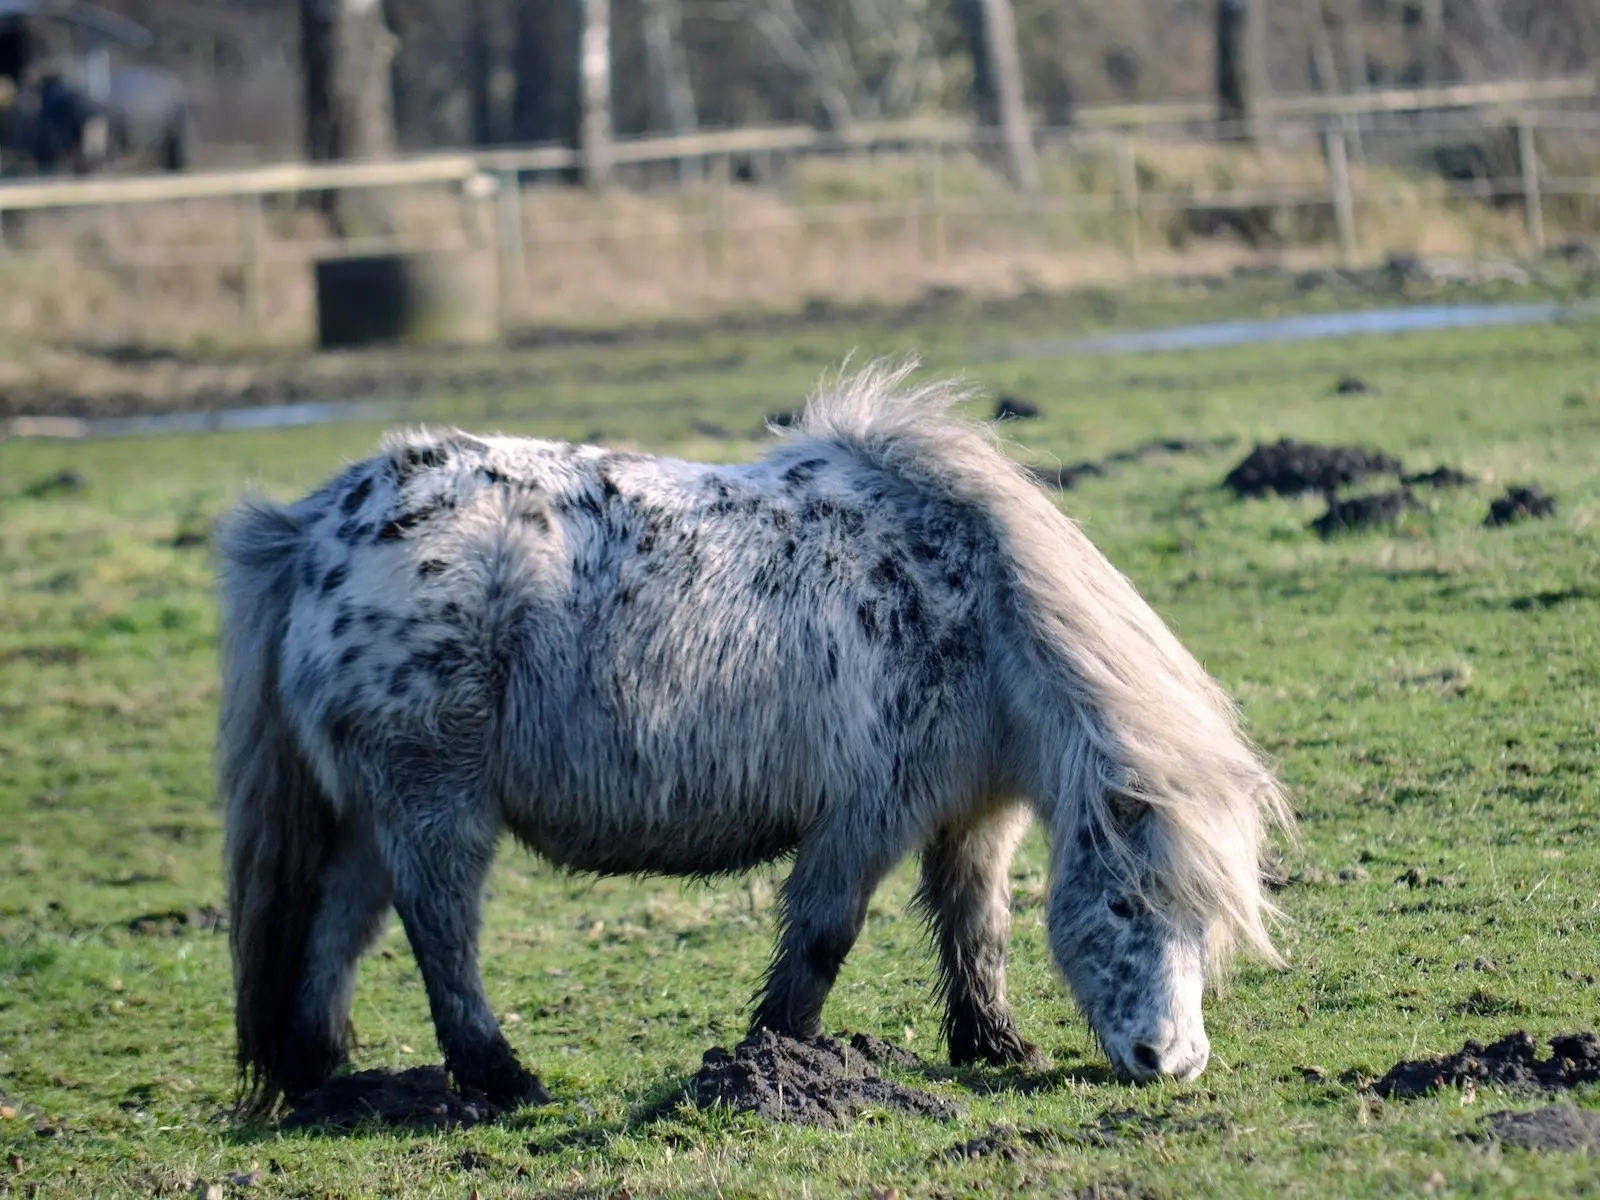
point(881, 638)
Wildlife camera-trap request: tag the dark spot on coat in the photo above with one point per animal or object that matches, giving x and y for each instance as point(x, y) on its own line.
point(351, 654)
point(430, 567)
point(803, 472)
point(341, 620)
point(356, 497)
point(442, 658)
point(400, 679)
point(397, 528)
point(534, 517)
point(867, 615)
point(413, 460)
point(334, 579)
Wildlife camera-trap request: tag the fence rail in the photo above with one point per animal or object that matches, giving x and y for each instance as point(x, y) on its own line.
point(491, 182)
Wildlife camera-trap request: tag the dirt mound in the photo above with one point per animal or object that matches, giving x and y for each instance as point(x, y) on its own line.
point(1016, 408)
point(1111, 1128)
point(1520, 503)
point(63, 483)
point(1290, 468)
point(1354, 385)
point(1439, 477)
point(1512, 1062)
point(175, 921)
point(817, 1081)
point(1363, 512)
point(416, 1098)
point(1065, 478)
point(1556, 1127)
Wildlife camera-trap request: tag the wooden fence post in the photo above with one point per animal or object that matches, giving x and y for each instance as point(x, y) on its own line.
point(254, 232)
point(595, 91)
point(717, 225)
point(513, 254)
point(1128, 193)
point(1532, 201)
point(932, 206)
point(1344, 213)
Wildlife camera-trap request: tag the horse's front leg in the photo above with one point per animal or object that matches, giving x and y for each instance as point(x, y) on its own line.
point(440, 858)
point(966, 893)
point(822, 908)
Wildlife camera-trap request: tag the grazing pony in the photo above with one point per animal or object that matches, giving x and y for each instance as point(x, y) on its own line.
point(880, 638)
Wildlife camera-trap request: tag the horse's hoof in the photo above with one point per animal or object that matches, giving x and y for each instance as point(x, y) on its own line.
point(531, 1094)
point(1002, 1050)
point(516, 1089)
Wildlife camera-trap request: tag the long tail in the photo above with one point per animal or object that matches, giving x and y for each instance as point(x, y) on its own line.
point(278, 821)
point(1153, 725)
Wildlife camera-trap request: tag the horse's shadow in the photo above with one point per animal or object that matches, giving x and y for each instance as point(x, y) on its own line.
point(420, 1101)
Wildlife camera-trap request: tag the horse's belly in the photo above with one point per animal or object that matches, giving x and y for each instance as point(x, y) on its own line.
point(677, 843)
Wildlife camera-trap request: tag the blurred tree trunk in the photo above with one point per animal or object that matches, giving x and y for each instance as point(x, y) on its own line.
point(997, 85)
point(346, 49)
point(1432, 41)
point(669, 67)
point(1241, 64)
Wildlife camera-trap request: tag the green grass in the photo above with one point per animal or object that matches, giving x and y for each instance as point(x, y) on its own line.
point(1433, 696)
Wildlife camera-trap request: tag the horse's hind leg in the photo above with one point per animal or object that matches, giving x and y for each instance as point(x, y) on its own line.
point(966, 894)
point(351, 909)
point(823, 907)
point(439, 850)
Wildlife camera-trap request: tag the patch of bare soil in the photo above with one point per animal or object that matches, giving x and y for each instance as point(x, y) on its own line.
point(816, 1081)
point(1439, 477)
point(175, 921)
point(1380, 509)
point(1015, 408)
point(1512, 1062)
point(1520, 503)
point(1064, 478)
point(416, 1098)
point(1290, 468)
point(1560, 1127)
point(65, 482)
point(1111, 1128)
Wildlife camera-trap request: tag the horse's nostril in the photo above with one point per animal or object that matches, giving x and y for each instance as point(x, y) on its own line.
point(1147, 1056)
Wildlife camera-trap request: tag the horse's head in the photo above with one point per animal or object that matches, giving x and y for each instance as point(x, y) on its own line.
point(1136, 965)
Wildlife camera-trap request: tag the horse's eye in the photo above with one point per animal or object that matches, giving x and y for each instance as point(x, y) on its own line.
point(1122, 907)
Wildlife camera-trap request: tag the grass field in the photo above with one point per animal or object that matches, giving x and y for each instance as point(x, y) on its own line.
point(1432, 695)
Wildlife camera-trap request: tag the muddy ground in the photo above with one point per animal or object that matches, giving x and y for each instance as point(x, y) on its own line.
point(1513, 1062)
point(1378, 510)
point(817, 1081)
point(1290, 468)
point(1065, 478)
point(1559, 1127)
point(1519, 504)
point(417, 1098)
point(1111, 1128)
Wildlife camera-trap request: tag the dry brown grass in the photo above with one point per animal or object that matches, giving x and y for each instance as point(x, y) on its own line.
point(846, 229)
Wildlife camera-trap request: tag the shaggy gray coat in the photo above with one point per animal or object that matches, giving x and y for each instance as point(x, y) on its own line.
point(881, 638)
